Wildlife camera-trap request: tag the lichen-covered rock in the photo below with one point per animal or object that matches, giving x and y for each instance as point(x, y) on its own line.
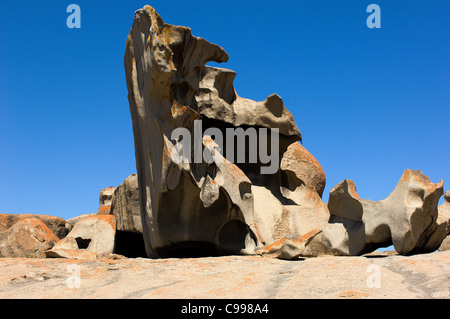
point(95, 234)
point(290, 247)
point(27, 238)
point(216, 205)
point(105, 200)
point(57, 225)
point(358, 226)
point(297, 161)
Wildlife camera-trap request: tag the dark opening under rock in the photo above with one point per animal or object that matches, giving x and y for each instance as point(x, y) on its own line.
point(129, 244)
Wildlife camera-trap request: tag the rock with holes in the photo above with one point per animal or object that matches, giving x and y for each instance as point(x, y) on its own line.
point(27, 238)
point(95, 234)
point(105, 200)
point(199, 192)
point(405, 218)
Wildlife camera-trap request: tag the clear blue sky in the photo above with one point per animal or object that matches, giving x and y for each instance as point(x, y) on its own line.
point(370, 103)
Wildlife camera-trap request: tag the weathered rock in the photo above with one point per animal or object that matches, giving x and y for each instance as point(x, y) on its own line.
point(211, 206)
point(216, 98)
point(81, 254)
point(287, 213)
point(290, 247)
point(443, 224)
point(299, 162)
point(125, 206)
point(105, 200)
point(57, 225)
point(231, 277)
point(358, 226)
point(445, 245)
point(95, 234)
point(27, 238)
point(76, 219)
point(67, 243)
point(439, 229)
point(316, 248)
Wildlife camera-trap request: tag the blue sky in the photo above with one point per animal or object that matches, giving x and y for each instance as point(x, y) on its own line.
point(370, 103)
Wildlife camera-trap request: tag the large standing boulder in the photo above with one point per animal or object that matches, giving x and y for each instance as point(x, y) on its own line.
point(27, 238)
point(129, 240)
point(125, 206)
point(216, 204)
point(358, 226)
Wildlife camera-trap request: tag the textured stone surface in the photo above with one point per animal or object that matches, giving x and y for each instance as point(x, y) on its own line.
point(125, 206)
point(105, 200)
point(27, 238)
point(406, 218)
point(57, 225)
point(392, 277)
point(95, 234)
point(76, 219)
point(298, 161)
point(445, 245)
point(212, 206)
point(290, 248)
point(443, 222)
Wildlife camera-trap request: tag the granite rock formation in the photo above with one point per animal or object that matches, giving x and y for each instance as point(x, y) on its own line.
point(406, 218)
point(57, 225)
point(105, 200)
point(91, 235)
point(125, 206)
point(27, 238)
point(211, 206)
point(443, 225)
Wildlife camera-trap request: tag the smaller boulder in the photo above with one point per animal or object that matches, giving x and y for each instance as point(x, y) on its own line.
point(94, 233)
point(71, 254)
point(27, 238)
point(125, 206)
point(445, 245)
point(290, 247)
point(105, 200)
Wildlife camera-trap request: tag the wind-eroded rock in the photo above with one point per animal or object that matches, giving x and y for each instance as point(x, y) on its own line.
point(406, 218)
point(105, 200)
point(125, 206)
point(217, 206)
point(27, 238)
point(230, 277)
point(94, 234)
point(57, 225)
point(443, 224)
